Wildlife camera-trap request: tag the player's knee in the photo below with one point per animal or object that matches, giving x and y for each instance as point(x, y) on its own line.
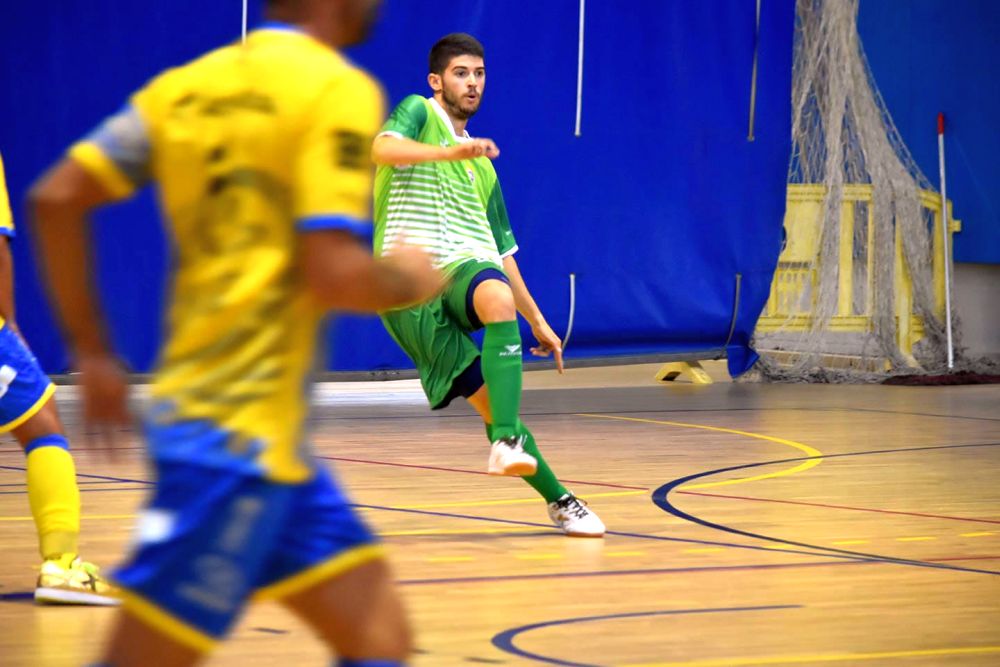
point(494, 302)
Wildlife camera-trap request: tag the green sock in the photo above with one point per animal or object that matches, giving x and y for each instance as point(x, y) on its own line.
point(501, 362)
point(544, 480)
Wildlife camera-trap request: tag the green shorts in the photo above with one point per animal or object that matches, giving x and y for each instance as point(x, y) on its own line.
point(436, 337)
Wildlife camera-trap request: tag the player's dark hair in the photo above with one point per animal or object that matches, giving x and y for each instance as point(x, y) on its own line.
point(451, 46)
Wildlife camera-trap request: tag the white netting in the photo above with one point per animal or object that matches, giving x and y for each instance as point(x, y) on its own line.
point(847, 149)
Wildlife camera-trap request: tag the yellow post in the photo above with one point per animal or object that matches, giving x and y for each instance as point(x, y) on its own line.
point(845, 272)
point(691, 369)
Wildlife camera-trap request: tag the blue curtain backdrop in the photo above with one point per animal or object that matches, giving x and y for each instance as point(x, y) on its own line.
point(931, 56)
point(658, 208)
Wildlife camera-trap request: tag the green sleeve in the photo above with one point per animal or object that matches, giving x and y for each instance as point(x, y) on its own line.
point(496, 213)
point(408, 118)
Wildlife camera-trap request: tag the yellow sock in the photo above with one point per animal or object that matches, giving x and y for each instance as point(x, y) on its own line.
point(53, 495)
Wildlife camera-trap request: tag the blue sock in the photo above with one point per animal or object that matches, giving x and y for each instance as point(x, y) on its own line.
point(367, 662)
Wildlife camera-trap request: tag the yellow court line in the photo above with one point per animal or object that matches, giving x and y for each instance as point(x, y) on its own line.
point(922, 538)
point(85, 516)
point(822, 657)
point(806, 449)
point(518, 501)
point(976, 534)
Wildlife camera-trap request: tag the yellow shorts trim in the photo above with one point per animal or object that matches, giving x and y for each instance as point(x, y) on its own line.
point(102, 168)
point(166, 622)
point(30, 412)
point(339, 564)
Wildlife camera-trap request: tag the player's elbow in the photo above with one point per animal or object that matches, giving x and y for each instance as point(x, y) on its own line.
point(55, 192)
point(384, 151)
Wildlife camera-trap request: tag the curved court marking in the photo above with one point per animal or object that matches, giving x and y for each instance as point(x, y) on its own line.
point(661, 500)
point(815, 457)
point(505, 640)
point(825, 657)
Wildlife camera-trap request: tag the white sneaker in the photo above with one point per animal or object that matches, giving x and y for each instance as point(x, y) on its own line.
point(575, 518)
point(507, 457)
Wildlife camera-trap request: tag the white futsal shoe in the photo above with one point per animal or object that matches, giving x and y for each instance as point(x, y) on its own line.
point(575, 518)
point(507, 457)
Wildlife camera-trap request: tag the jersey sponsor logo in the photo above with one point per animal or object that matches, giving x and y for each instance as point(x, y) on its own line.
point(511, 351)
point(472, 175)
point(350, 150)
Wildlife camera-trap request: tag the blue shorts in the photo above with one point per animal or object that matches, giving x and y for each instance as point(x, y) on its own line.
point(211, 538)
point(24, 388)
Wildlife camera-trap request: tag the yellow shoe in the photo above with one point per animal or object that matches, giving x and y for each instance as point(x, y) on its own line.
point(69, 580)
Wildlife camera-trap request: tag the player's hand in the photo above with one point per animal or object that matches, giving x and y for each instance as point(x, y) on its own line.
point(104, 390)
point(475, 148)
point(414, 266)
point(548, 343)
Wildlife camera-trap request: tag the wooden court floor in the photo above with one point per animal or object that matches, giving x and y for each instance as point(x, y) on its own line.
point(748, 525)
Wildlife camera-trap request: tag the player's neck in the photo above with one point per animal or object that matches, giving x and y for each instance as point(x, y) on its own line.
point(457, 123)
point(320, 29)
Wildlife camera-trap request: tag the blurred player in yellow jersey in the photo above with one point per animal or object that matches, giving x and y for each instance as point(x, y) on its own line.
point(260, 155)
point(28, 412)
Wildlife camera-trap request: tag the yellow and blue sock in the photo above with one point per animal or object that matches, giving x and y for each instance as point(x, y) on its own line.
point(53, 495)
point(367, 662)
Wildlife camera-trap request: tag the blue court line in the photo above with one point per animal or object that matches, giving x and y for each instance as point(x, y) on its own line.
point(116, 488)
point(505, 640)
point(617, 573)
point(80, 474)
point(660, 499)
point(644, 536)
point(654, 411)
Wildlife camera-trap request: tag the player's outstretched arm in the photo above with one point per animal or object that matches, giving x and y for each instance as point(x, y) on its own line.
point(389, 150)
point(341, 274)
point(60, 203)
point(548, 341)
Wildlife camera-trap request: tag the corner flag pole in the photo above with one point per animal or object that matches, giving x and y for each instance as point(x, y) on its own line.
point(945, 234)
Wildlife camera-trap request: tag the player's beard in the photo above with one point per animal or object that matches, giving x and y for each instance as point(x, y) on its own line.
point(455, 107)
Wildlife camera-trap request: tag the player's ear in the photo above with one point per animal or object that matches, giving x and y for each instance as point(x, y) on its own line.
point(434, 81)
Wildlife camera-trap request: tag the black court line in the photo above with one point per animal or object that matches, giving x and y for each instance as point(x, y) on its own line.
point(505, 640)
point(661, 500)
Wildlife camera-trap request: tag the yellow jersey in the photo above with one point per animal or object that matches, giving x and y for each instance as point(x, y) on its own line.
point(249, 145)
point(6, 218)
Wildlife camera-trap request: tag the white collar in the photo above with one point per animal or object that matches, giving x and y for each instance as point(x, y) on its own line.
point(447, 120)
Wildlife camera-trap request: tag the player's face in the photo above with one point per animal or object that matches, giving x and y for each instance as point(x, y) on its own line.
point(462, 85)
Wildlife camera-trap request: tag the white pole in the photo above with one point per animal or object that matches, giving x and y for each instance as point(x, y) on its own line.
point(572, 309)
point(945, 234)
point(579, 74)
point(243, 33)
point(753, 75)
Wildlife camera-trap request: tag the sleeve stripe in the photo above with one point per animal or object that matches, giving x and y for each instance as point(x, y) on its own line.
point(508, 253)
point(390, 133)
point(7, 231)
point(357, 226)
point(101, 167)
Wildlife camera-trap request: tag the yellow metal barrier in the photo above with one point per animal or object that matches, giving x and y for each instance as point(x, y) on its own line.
point(793, 290)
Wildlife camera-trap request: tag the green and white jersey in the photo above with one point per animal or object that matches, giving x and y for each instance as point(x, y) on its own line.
point(454, 210)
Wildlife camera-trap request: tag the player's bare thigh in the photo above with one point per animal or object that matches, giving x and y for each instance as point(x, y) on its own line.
point(44, 422)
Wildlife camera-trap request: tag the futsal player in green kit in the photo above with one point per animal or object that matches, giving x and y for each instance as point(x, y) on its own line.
point(436, 188)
